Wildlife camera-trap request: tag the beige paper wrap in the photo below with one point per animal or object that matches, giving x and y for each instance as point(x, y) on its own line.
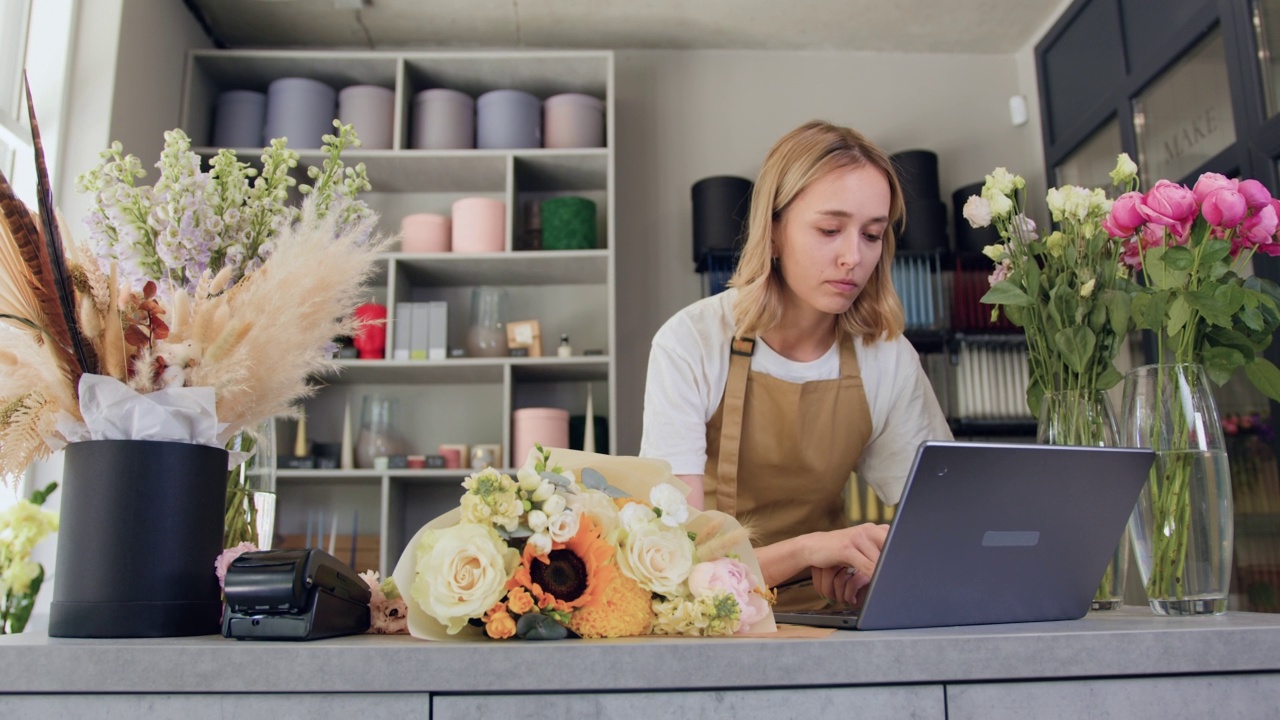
point(633, 475)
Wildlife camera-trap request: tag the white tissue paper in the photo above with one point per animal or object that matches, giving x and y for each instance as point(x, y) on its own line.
point(114, 411)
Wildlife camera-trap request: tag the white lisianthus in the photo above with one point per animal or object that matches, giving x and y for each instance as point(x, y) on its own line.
point(563, 526)
point(1001, 205)
point(995, 253)
point(529, 479)
point(553, 505)
point(657, 557)
point(1126, 170)
point(675, 509)
point(634, 515)
point(544, 491)
point(1004, 182)
point(539, 542)
point(977, 211)
point(537, 520)
point(461, 572)
point(1087, 289)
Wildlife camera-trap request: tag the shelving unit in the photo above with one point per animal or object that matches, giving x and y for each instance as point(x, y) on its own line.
point(458, 400)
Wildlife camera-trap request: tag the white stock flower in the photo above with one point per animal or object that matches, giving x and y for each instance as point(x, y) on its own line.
point(544, 491)
point(634, 515)
point(529, 479)
point(675, 509)
point(563, 526)
point(977, 211)
point(657, 557)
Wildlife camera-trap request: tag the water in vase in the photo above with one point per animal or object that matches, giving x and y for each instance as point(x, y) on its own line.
point(1182, 531)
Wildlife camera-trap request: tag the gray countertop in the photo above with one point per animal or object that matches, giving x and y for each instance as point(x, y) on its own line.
point(1129, 642)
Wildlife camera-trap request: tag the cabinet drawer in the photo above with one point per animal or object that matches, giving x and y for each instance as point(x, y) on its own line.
point(1233, 696)
point(912, 701)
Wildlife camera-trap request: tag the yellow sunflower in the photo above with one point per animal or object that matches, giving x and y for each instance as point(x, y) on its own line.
point(572, 575)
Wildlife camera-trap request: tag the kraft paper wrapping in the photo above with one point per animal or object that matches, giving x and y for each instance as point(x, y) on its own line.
point(634, 476)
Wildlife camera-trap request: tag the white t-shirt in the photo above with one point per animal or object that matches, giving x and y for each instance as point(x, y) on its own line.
point(689, 367)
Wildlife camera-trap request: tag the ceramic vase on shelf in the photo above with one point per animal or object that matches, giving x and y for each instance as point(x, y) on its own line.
point(1083, 418)
point(1182, 527)
point(251, 489)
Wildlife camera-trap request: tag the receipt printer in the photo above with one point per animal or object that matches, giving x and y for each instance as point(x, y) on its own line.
point(293, 595)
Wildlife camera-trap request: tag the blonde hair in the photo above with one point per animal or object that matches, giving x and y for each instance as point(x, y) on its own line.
point(802, 156)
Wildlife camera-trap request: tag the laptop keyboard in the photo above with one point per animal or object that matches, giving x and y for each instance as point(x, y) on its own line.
point(828, 612)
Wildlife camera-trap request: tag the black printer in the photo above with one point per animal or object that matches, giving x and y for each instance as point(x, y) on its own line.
point(293, 595)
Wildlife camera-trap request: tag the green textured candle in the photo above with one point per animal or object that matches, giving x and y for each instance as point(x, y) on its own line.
point(568, 223)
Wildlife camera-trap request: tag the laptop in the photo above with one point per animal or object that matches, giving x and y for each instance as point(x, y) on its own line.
point(997, 533)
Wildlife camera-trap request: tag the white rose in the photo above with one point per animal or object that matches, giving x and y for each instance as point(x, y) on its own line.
point(675, 510)
point(563, 526)
point(540, 542)
point(977, 211)
point(635, 514)
point(658, 558)
point(554, 505)
point(461, 572)
point(601, 509)
point(537, 520)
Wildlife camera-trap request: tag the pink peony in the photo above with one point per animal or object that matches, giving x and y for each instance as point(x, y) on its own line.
point(1224, 208)
point(1210, 181)
point(729, 575)
point(387, 616)
point(1260, 228)
point(1255, 194)
point(1169, 204)
point(1125, 216)
point(224, 561)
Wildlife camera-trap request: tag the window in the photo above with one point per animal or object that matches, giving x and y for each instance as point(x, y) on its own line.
point(14, 19)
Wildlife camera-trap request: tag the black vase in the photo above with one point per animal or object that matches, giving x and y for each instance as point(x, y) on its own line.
point(140, 530)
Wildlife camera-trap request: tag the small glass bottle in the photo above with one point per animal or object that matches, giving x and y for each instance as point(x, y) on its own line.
point(565, 350)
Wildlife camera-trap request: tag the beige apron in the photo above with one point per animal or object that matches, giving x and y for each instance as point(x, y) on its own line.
point(779, 454)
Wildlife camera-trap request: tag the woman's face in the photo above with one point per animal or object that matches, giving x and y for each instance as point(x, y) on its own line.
point(830, 237)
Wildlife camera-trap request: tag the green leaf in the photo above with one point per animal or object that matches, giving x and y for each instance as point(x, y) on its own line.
point(20, 611)
point(1233, 338)
point(1215, 307)
point(1109, 378)
point(1098, 316)
point(1179, 257)
point(1221, 362)
point(1179, 313)
point(1215, 250)
point(1035, 395)
point(1265, 376)
point(1076, 346)
point(1252, 318)
point(38, 497)
point(1118, 309)
point(1005, 293)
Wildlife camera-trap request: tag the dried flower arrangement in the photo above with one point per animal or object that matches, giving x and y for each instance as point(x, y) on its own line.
point(204, 280)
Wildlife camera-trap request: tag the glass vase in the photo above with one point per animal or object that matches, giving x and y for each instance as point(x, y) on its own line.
point(487, 333)
point(251, 489)
point(379, 437)
point(1087, 418)
point(1182, 527)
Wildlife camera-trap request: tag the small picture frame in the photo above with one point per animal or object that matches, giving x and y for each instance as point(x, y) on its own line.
point(525, 334)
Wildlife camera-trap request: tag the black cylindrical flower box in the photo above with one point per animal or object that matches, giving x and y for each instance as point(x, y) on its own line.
point(140, 529)
point(721, 205)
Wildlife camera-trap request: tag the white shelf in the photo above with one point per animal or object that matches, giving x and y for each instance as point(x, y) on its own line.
point(468, 371)
point(571, 292)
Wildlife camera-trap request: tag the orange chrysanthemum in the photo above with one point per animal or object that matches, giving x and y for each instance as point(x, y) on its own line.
point(625, 610)
point(572, 575)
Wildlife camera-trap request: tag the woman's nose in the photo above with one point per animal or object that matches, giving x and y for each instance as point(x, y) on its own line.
point(850, 252)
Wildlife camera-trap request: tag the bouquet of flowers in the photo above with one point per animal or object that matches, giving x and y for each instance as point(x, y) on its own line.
point(592, 545)
point(204, 291)
point(22, 526)
point(1068, 291)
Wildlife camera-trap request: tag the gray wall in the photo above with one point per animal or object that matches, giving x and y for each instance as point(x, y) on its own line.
point(686, 115)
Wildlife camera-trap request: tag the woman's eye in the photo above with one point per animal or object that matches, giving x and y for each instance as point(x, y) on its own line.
point(872, 237)
point(829, 232)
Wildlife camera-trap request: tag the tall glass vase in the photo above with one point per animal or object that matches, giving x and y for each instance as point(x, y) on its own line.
point(251, 489)
point(1182, 527)
point(1086, 418)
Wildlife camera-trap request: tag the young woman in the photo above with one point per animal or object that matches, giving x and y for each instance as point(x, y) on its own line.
point(766, 397)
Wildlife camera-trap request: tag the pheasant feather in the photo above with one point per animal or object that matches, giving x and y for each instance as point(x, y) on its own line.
point(57, 260)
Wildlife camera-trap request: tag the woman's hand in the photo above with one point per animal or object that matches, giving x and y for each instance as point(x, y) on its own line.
point(857, 547)
point(843, 561)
